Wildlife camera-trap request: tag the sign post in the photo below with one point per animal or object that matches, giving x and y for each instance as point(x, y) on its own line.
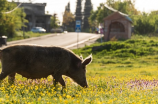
point(78, 29)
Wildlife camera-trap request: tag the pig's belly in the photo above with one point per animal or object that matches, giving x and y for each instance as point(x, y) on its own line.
point(34, 75)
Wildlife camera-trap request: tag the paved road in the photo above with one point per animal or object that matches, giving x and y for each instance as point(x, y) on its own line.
point(68, 40)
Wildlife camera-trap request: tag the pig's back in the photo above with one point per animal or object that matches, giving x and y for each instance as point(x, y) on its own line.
point(36, 61)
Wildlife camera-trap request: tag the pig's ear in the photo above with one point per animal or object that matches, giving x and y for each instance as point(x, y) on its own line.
point(87, 60)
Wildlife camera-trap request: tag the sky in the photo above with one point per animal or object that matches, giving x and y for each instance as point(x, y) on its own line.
point(58, 6)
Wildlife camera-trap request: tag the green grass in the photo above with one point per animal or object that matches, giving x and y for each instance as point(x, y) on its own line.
point(19, 35)
point(122, 72)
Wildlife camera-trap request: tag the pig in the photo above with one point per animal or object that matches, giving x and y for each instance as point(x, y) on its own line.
point(35, 62)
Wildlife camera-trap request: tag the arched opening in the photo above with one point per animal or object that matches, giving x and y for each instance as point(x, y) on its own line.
point(117, 27)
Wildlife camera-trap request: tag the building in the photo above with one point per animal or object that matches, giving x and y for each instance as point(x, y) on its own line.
point(117, 26)
point(35, 14)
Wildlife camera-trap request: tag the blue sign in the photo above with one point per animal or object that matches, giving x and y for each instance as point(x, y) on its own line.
point(78, 26)
point(78, 29)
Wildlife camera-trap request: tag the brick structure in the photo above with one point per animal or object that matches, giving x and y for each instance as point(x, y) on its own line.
point(35, 14)
point(117, 26)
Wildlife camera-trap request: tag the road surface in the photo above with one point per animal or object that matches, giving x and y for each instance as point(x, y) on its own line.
point(67, 40)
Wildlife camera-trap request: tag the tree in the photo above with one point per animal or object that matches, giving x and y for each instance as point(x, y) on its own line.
point(67, 8)
point(126, 6)
point(146, 23)
point(30, 1)
point(68, 19)
point(54, 21)
point(110, 2)
point(87, 10)
point(10, 22)
point(92, 18)
point(78, 12)
point(3, 6)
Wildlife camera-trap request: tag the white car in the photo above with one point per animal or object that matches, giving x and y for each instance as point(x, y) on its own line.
point(38, 29)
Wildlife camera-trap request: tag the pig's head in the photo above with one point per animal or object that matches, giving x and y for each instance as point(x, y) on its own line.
point(79, 73)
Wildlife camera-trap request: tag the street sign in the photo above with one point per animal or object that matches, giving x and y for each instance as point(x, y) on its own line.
point(78, 26)
point(78, 29)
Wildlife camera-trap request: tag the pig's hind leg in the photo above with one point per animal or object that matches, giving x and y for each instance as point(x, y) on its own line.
point(3, 75)
point(11, 78)
point(6, 71)
point(59, 79)
point(56, 80)
point(62, 82)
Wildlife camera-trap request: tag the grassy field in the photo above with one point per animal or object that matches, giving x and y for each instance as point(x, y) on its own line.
point(19, 35)
point(122, 72)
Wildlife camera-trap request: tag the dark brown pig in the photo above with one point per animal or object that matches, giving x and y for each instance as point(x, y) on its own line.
point(34, 62)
